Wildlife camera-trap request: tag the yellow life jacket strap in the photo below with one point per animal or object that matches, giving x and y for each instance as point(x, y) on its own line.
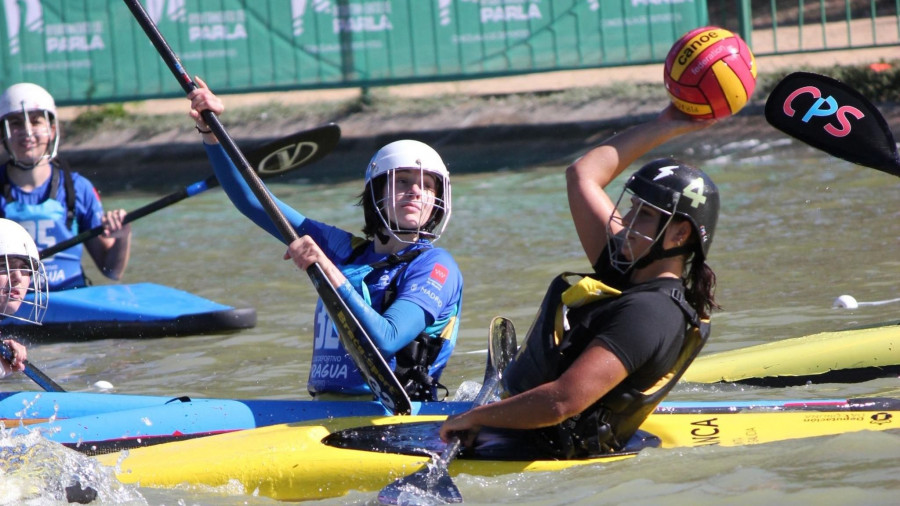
point(586, 291)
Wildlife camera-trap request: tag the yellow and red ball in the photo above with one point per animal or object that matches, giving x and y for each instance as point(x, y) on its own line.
point(710, 72)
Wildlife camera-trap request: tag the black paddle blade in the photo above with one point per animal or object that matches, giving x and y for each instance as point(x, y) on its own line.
point(301, 148)
point(829, 115)
point(502, 343)
point(425, 486)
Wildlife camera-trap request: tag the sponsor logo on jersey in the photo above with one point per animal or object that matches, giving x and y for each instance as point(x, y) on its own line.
point(438, 276)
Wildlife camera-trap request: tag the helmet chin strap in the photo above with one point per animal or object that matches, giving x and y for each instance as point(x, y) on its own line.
point(394, 228)
point(656, 250)
point(382, 237)
point(24, 167)
point(657, 253)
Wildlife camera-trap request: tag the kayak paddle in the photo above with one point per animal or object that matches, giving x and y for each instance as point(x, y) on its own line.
point(433, 480)
point(32, 372)
point(835, 118)
point(353, 337)
point(275, 158)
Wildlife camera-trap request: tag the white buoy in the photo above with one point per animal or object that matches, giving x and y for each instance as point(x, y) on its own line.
point(845, 302)
point(103, 385)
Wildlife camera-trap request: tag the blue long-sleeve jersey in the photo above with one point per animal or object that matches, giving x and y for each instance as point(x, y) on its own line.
point(428, 289)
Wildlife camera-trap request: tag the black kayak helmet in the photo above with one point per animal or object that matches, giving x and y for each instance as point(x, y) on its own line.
point(674, 189)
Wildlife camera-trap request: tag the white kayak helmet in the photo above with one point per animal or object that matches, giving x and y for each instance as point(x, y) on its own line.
point(20, 255)
point(380, 175)
point(24, 98)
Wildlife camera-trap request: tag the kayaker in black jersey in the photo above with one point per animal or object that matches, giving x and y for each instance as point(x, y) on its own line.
point(21, 273)
point(606, 347)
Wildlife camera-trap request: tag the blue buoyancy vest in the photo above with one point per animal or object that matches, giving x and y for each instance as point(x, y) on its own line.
point(50, 222)
point(411, 364)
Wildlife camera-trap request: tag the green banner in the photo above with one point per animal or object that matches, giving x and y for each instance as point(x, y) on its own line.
point(93, 51)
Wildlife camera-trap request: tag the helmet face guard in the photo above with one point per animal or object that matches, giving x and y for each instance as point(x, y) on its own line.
point(24, 99)
point(619, 244)
point(413, 162)
point(671, 188)
point(24, 288)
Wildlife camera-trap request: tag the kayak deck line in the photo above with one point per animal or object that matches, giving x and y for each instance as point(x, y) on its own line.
point(141, 310)
point(855, 375)
point(94, 448)
point(9, 423)
point(291, 462)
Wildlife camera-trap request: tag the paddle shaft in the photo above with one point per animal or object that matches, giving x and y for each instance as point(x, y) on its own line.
point(323, 286)
point(434, 480)
point(32, 372)
point(228, 144)
point(487, 391)
point(274, 158)
point(502, 336)
point(172, 198)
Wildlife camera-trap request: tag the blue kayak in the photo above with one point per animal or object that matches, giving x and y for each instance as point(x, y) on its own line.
point(130, 311)
point(95, 423)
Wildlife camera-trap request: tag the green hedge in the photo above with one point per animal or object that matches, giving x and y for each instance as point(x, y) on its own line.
point(879, 82)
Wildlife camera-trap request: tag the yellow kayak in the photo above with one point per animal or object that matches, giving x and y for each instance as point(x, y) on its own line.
point(291, 462)
point(841, 356)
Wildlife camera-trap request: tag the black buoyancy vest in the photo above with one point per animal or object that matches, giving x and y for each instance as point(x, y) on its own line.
point(56, 173)
point(606, 425)
point(414, 359)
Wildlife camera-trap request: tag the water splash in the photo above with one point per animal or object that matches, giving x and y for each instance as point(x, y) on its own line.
point(34, 470)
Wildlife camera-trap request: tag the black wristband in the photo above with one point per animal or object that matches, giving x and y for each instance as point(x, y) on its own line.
point(203, 131)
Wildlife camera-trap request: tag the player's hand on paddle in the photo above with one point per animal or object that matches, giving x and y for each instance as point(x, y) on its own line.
point(203, 99)
point(461, 426)
point(20, 355)
point(113, 224)
point(304, 252)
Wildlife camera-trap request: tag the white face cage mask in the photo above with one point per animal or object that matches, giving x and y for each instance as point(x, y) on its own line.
point(29, 130)
point(431, 204)
point(618, 243)
point(33, 297)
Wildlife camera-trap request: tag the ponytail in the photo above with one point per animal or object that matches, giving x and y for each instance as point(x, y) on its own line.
point(700, 284)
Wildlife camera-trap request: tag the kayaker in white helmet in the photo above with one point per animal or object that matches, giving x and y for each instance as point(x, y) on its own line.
point(21, 274)
point(406, 293)
point(51, 202)
point(606, 347)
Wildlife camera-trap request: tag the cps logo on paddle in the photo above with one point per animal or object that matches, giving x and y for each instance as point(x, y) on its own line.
point(882, 418)
point(824, 107)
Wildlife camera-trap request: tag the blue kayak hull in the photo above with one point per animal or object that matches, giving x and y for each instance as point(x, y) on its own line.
point(95, 423)
point(130, 311)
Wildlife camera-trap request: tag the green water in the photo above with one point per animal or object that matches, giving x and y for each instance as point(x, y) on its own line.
point(797, 229)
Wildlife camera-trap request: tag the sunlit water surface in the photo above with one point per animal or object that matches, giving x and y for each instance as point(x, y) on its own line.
point(797, 229)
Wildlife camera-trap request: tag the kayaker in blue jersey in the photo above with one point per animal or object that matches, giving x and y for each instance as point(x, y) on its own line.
point(51, 202)
point(23, 296)
point(21, 274)
point(605, 350)
point(406, 293)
